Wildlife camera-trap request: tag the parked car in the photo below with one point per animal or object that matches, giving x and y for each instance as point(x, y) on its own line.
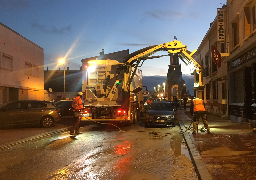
point(162, 113)
point(25, 112)
point(65, 107)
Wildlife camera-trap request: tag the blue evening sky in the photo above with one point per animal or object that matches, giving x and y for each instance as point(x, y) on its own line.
point(78, 29)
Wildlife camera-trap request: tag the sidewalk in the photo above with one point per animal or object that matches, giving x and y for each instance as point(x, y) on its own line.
point(228, 153)
point(15, 136)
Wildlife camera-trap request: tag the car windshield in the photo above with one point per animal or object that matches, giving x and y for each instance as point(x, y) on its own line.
point(161, 106)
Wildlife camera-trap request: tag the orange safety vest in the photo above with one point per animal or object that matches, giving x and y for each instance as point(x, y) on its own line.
point(198, 105)
point(77, 103)
point(149, 102)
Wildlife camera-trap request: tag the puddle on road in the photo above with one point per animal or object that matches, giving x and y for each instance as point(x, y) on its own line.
point(56, 144)
point(223, 151)
point(184, 150)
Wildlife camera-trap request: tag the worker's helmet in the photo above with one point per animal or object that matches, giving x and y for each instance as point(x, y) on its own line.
point(80, 93)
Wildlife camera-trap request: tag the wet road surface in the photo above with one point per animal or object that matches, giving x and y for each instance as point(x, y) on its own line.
point(102, 153)
point(230, 156)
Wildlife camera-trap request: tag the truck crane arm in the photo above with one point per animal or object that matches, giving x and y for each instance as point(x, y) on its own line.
point(173, 47)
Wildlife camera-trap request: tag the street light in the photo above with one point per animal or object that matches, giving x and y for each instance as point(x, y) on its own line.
point(62, 61)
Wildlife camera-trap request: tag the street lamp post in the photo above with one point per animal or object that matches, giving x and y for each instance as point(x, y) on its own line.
point(62, 61)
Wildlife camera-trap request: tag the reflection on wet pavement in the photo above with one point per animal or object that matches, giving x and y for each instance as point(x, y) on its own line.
point(133, 155)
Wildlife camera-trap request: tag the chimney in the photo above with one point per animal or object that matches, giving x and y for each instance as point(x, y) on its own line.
point(102, 52)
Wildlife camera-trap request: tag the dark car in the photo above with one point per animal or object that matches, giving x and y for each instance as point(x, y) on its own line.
point(161, 114)
point(65, 107)
point(27, 112)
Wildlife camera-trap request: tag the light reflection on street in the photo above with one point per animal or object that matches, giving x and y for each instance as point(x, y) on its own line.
point(124, 148)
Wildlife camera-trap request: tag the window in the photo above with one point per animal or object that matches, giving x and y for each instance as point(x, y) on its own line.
point(253, 18)
point(206, 69)
point(214, 67)
point(247, 22)
point(223, 90)
point(7, 62)
point(208, 89)
point(235, 31)
point(222, 47)
point(215, 90)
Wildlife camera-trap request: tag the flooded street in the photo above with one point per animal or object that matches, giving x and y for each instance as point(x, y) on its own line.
point(102, 153)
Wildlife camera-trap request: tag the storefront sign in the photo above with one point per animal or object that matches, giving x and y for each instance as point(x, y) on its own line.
point(216, 57)
point(220, 25)
point(246, 57)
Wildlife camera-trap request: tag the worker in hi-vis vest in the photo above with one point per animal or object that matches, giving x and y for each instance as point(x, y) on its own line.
point(198, 109)
point(77, 106)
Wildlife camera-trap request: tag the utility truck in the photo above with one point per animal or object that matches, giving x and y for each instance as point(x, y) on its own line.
point(107, 98)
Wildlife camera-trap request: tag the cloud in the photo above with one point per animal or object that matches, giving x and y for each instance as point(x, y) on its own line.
point(160, 14)
point(53, 30)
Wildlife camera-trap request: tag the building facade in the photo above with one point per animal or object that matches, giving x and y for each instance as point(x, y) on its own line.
point(21, 67)
point(227, 55)
point(211, 55)
point(241, 63)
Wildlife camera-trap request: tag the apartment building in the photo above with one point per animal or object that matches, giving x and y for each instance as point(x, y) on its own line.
point(21, 67)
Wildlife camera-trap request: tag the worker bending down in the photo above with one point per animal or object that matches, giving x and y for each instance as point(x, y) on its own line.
point(198, 110)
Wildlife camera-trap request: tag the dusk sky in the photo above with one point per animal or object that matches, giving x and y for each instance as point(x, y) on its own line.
point(78, 29)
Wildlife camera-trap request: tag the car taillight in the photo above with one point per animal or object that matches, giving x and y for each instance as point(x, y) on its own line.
point(57, 110)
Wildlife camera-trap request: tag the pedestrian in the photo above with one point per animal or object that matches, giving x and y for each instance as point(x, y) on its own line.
point(149, 102)
point(77, 106)
point(175, 102)
point(198, 108)
point(185, 99)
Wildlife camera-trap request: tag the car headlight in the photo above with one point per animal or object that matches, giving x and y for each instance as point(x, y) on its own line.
point(170, 117)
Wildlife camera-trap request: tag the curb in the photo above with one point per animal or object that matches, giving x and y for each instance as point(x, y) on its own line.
point(196, 158)
point(32, 138)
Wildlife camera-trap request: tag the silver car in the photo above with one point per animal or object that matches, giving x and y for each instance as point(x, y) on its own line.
point(27, 112)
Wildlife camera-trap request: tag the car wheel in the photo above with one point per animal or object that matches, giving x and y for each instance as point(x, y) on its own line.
point(46, 121)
